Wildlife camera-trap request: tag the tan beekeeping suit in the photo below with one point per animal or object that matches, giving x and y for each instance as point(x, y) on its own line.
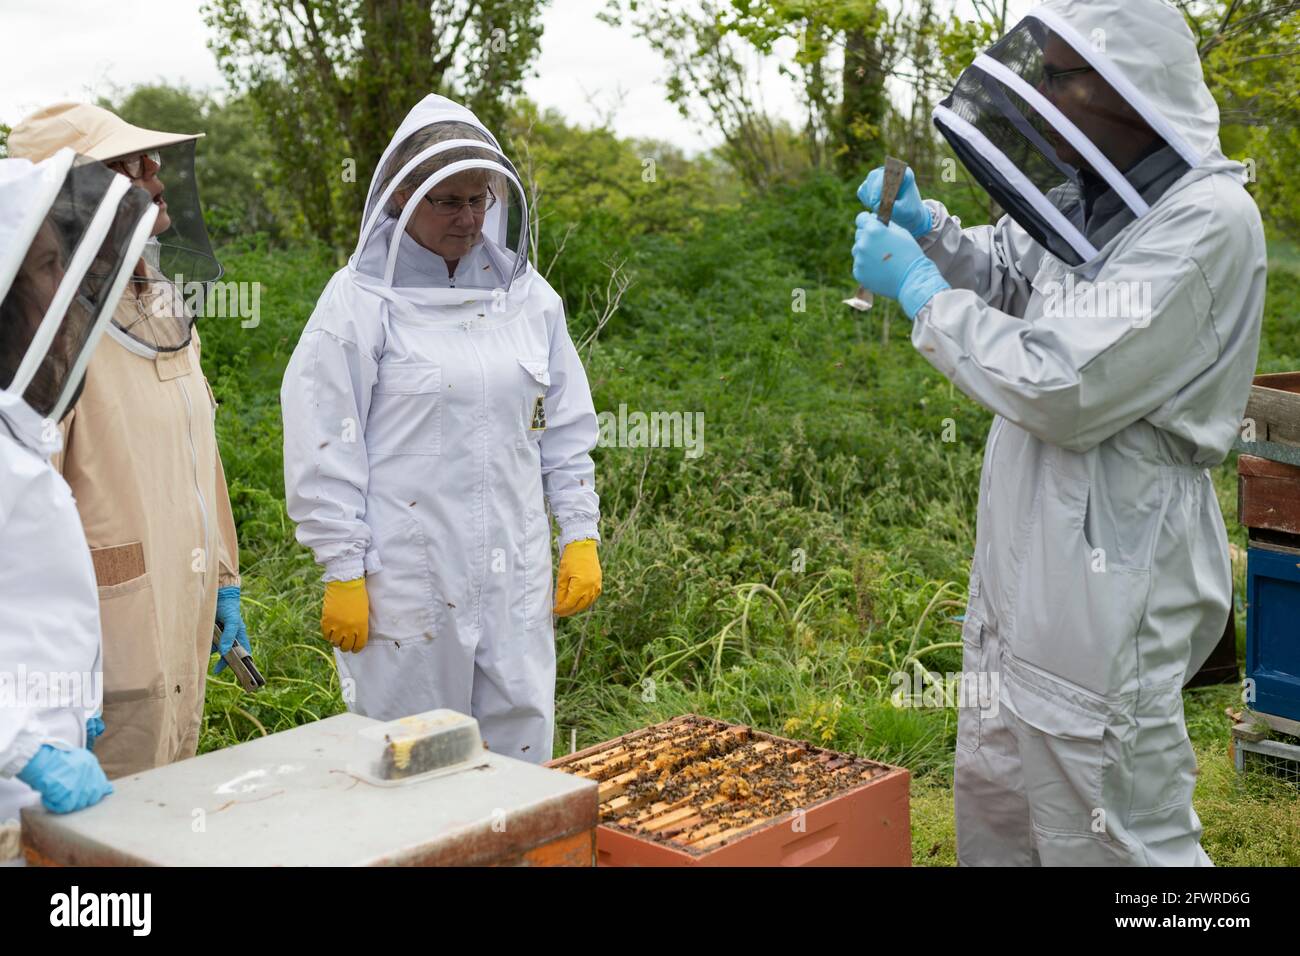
point(140, 454)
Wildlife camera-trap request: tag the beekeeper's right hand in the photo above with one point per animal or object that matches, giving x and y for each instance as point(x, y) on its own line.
point(909, 211)
point(345, 618)
point(67, 780)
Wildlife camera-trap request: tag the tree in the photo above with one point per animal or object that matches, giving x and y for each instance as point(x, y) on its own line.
point(1248, 52)
point(329, 81)
point(231, 161)
point(846, 51)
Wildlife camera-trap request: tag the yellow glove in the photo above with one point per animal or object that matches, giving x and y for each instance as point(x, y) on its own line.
point(578, 583)
point(345, 618)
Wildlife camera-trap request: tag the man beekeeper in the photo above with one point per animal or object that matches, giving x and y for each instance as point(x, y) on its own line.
point(1111, 321)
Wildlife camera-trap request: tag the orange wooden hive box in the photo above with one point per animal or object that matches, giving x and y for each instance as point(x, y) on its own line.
point(695, 791)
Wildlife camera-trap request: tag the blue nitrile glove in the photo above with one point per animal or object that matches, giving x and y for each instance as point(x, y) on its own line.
point(232, 626)
point(888, 262)
point(910, 211)
point(94, 730)
point(67, 780)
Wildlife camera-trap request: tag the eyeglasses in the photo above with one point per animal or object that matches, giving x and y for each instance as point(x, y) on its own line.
point(450, 207)
point(1052, 77)
point(135, 168)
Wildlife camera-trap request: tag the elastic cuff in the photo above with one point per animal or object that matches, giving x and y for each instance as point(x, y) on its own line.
point(578, 531)
point(20, 754)
point(352, 567)
point(930, 236)
point(921, 283)
point(226, 579)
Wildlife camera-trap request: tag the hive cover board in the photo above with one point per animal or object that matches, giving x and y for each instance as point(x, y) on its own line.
point(290, 799)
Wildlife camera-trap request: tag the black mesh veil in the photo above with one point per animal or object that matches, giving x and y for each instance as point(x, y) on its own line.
point(1039, 125)
point(183, 253)
point(178, 264)
point(67, 266)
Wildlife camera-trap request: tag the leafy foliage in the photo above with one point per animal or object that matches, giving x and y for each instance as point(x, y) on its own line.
point(331, 80)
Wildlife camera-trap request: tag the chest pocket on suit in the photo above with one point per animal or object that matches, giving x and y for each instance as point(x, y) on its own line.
point(536, 377)
point(406, 410)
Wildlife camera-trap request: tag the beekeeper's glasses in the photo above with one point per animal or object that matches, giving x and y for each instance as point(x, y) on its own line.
point(1052, 78)
point(478, 205)
point(134, 167)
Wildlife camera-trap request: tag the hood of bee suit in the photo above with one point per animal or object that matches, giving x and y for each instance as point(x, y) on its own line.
point(439, 139)
point(1056, 151)
point(70, 232)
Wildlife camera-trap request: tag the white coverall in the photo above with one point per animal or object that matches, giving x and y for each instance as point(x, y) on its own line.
point(50, 646)
point(1101, 577)
point(415, 454)
point(49, 593)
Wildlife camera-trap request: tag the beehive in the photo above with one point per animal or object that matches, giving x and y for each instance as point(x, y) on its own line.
point(697, 791)
point(290, 799)
point(1269, 505)
point(1268, 497)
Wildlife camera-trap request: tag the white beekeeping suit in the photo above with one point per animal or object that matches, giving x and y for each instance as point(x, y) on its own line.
point(70, 232)
point(1111, 322)
point(429, 420)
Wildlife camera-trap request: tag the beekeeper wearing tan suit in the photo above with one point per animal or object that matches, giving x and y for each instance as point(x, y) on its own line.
point(140, 454)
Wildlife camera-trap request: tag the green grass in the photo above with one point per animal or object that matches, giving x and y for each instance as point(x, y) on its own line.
point(820, 543)
point(1283, 254)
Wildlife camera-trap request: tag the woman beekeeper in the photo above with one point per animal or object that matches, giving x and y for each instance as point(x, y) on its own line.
point(69, 231)
point(433, 407)
point(140, 454)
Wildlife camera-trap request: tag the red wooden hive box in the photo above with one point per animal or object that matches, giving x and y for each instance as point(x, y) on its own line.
point(695, 791)
point(1268, 495)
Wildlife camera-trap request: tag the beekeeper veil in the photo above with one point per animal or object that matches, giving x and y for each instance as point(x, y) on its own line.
point(182, 253)
point(178, 261)
point(179, 266)
point(70, 231)
point(446, 220)
point(1081, 117)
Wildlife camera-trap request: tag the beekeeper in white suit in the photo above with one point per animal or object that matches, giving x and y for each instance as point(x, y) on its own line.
point(70, 231)
point(1111, 322)
point(433, 408)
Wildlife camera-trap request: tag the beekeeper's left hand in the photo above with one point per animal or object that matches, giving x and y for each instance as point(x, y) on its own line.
point(578, 583)
point(888, 261)
point(232, 626)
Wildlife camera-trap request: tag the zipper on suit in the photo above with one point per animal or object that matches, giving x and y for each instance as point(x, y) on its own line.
point(198, 489)
point(466, 326)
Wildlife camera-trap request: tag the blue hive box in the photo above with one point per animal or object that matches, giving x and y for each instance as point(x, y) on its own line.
point(1273, 630)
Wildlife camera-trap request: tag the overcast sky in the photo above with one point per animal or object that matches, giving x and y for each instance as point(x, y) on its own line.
point(79, 49)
